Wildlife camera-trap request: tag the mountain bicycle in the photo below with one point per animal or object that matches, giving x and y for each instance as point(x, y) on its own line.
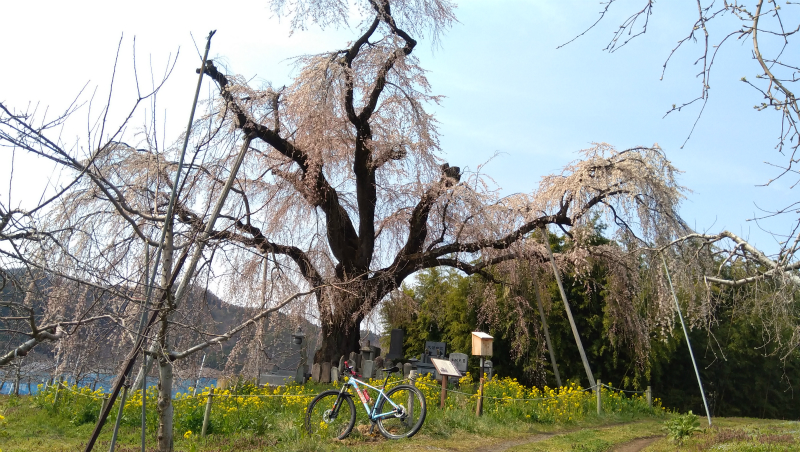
point(398, 413)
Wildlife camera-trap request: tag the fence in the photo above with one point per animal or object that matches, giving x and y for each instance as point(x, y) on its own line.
point(568, 392)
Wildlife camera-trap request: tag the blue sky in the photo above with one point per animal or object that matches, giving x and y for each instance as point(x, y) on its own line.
point(508, 89)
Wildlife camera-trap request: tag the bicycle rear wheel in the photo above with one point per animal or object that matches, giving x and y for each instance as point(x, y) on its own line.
point(325, 418)
point(407, 418)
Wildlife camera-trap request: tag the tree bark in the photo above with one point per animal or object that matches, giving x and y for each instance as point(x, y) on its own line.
point(165, 408)
point(164, 404)
point(339, 337)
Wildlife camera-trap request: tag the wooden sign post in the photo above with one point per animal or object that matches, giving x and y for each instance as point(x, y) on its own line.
point(445, 369)
point(481, 346)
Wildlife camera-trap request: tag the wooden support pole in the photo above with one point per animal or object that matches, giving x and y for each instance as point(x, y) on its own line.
point(412, 378)
point(444, 392)
point(58, 387)
point(17, 378)
point(599, 398)
point(207, 414)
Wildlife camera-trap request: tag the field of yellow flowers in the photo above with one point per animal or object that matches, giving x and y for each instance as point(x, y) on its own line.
point(279, 409)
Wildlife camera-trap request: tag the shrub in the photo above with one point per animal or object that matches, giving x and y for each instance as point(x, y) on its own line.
point(682, 426)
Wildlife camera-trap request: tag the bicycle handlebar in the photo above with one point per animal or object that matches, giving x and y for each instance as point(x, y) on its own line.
point(351, 369)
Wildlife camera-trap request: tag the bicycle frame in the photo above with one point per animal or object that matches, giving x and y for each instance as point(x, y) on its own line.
point(353, 382)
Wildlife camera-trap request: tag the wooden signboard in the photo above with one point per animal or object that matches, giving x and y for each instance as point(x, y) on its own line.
point(446, 369)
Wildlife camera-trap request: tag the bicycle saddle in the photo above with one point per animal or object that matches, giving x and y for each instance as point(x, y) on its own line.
point(392, 369)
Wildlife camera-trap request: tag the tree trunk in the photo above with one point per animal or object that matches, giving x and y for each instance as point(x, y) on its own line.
point(338, 338)
point(164, 404)
point(165, 407)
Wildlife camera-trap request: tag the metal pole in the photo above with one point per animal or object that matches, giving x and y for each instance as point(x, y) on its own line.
point(119, 419)
point(586, 367)
point(167, 221)
point(688, 344)
point(144, 347)
point(479, 405)
point(546, 330)
point(144, 401)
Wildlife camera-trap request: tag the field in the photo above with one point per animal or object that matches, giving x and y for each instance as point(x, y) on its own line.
point(247, 418)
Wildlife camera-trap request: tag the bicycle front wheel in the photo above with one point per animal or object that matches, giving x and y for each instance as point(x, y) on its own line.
point(330, 415)
point(404, 416)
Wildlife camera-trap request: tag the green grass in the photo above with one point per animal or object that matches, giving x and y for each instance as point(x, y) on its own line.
point(740, 434)
point(33, 424)
point(29, 426)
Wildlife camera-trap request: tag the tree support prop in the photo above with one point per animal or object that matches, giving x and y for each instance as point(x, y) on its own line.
point(588, 369)
point(688, 344)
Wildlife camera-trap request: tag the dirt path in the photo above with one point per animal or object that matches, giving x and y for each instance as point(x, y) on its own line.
point(637, 444)
point(501, 447)
point(632, 446)
point(518, 442)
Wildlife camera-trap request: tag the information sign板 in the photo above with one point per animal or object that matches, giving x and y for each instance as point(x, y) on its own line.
point(445, 369)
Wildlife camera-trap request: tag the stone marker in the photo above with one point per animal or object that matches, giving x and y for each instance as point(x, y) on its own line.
point(334, 375)
point(396, 345)
point(459, 360)
point(436, 350)
point(367, 353)
point(489, 369)
point(325, 372)
point(315, 373)
point(379, 363)
point(406, 370)
point(341, 364)
point(368, 369)
point(300, 377)
point(353, 361)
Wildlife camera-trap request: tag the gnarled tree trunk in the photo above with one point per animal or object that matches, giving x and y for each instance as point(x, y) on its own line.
point(338, 339)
